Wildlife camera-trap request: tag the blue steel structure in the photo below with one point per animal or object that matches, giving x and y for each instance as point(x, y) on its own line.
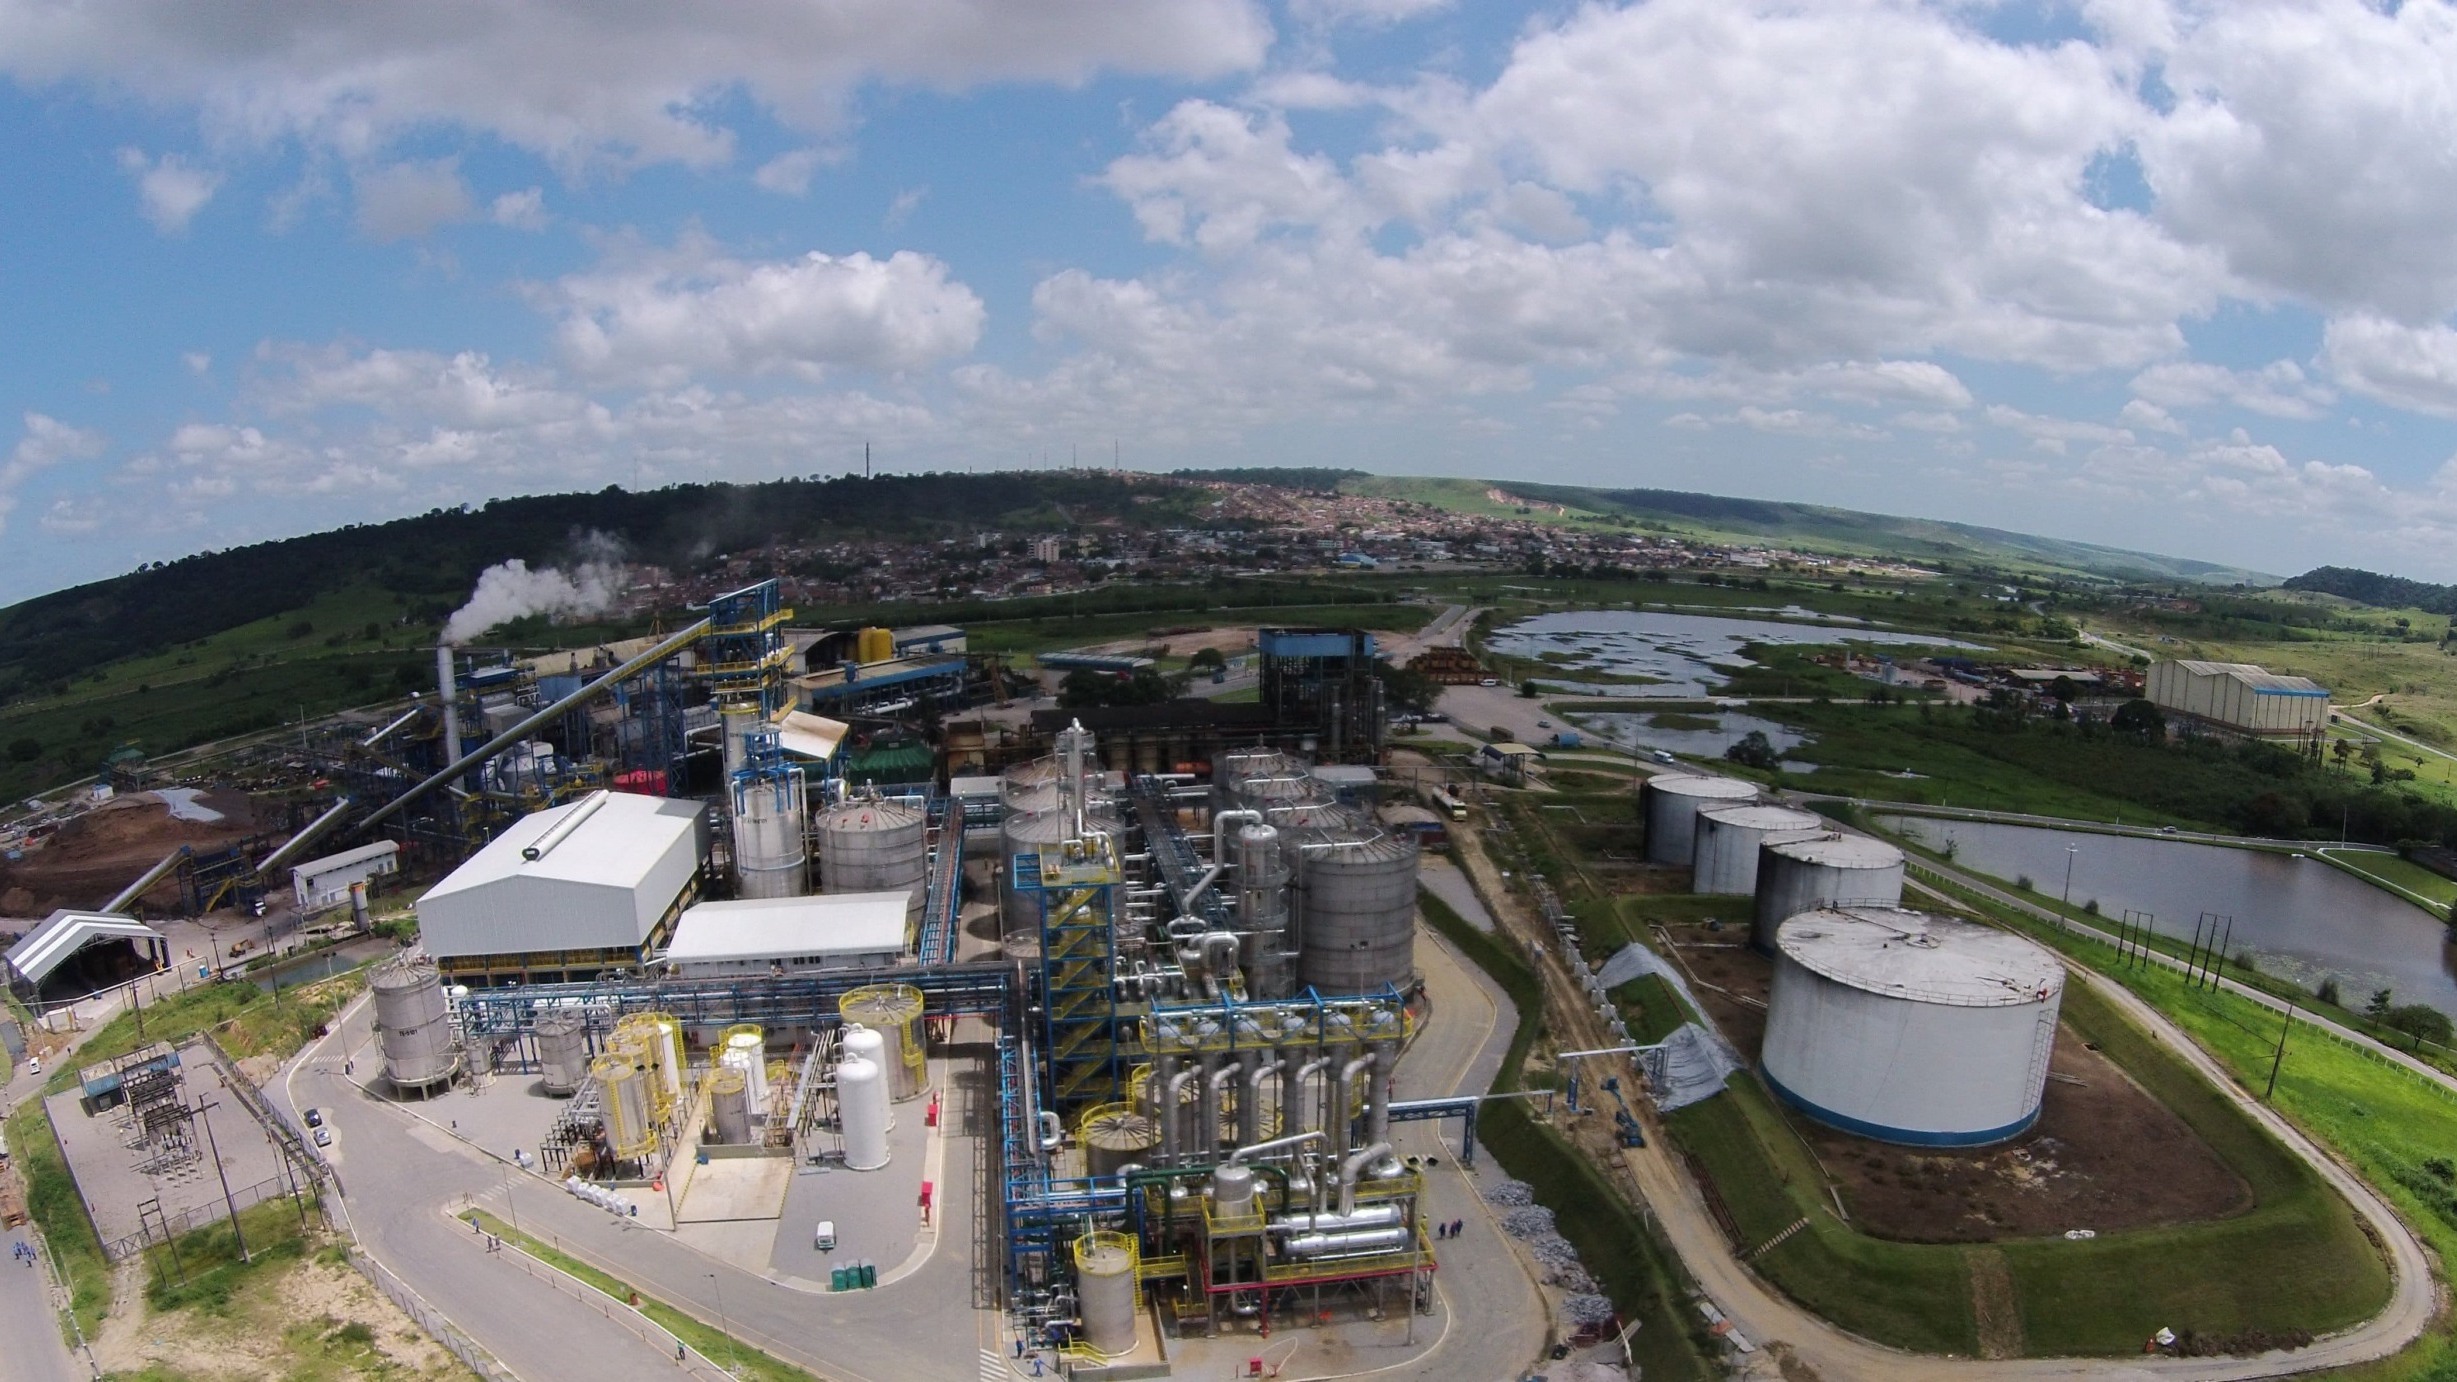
point(1083, 1057)
point(743, 656)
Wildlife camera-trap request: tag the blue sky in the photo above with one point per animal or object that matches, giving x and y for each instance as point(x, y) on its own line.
point(2167, 275)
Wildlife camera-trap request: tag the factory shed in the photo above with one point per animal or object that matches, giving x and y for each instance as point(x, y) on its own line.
point(2240, 696)
point(321, 883)
point(767, 935)
point(65, 934)
point(572, 888)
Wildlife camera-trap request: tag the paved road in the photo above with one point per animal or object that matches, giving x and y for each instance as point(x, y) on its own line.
point(34, 1351)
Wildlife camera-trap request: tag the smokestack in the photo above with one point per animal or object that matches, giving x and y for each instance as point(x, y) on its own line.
point(447, 688)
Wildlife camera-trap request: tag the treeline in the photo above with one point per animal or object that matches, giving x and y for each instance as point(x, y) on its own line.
point(2373, 588)
point(438, 555)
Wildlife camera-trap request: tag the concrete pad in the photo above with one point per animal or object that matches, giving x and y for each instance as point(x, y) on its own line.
point(107, 1169)
point(736, 1187)
point(877, 1213)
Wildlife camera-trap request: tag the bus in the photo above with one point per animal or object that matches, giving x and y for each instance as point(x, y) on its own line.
point(1449, 805)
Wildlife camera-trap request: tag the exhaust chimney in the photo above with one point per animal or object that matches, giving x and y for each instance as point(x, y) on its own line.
point(447, 691)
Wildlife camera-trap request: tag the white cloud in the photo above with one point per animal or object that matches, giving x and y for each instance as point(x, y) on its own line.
point(47, 442)
point(2278, 389)
point(1371, 12)
point(790, 173)
point(2149, 417)
point(901, 209)
point(583, 83)
point(197, 361)
point(2053, 433)
point(669, 315)
point(2408, 366)
point(407, 200)
point(522, 210)
point(169, 189)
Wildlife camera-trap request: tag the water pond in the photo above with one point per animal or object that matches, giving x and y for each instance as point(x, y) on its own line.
point(1687, 654)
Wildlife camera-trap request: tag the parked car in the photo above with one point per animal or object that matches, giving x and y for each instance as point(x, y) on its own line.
point(324, 1137)
point(315, 1118)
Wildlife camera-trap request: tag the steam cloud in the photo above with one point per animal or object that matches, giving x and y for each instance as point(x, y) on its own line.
point(510, 590)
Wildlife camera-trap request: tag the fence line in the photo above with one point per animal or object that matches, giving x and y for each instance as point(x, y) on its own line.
point(471, 1353)
point(695, 1364)
point(196, 1217)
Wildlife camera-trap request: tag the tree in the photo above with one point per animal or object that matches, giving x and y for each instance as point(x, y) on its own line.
point(2378, 1008)
point(1406, 689)
point(1206, 660)
point(2065, 689)
point(2421, 1022)
point(2140, 719)
point(1754, 750)
point(1084, 688)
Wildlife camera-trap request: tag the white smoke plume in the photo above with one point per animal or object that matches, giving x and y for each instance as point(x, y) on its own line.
point(510, 590)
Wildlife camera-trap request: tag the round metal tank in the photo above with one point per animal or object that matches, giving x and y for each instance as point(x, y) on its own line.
point(413, 1027)
point(875, 847)
point(1910, 1027)
point(629, 1125)
point(1037, 833)
point(1105, 1291)
point(864, 1043)
point(745, 1048)
point(769, 857)
point(1116, 1135)
point(1232, 1189)
point(729, 1101)
point(1357, 925)
point(1670, 803)
point(894, 1012)
point(1725, 859)
point(1800, 875)
point(1259, 779)
point(562, 1049)
point(666, 1033)
point(861, 1107)
point(1033, 786)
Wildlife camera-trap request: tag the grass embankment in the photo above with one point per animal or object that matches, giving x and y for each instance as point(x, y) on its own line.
point(746, 1361)
point(247, 1021)
point(2403, 877)
point(51, 1198)
point(1620, 1247)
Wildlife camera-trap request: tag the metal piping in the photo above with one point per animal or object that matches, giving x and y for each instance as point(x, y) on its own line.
point(296, 842)
point(150, 876)
point(1219, 854)
point(1053, 1132)
point(448, 691)
point(1305, 1072)
point(544, 845)
point(387, 731)
point(520, 731)
point(1378, 1095)
point(1238, 1157)
point(1348, 1170)
point(1342, 1087)
point(1250, 1104)
point(1171, 1135)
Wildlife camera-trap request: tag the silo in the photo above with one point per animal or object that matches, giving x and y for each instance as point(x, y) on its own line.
point(1037, 833)
point(744, 1047)
point(1725, 861)
point(770, 859)
point(1105, 1291)
point(562, 1049)
point(872, 846)
point(1357, 910)
point(864, 1043)
point(1116, 1135)
point(1263, 779)
point(1910, 1027)
point(1796, 876)
point(665, 1033)
point(413, 1026)
point(861, 1109)
point(894, 1012)
point(729, 1100)
point(629, 1124)
point(1670, 803)
point(1033, 786)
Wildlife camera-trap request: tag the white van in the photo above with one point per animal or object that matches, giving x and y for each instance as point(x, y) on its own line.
point(823, 1237)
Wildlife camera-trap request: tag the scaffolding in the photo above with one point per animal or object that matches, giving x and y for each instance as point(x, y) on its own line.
point(1077, 899)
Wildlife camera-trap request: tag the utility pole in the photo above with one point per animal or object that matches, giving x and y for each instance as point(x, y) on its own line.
point(2071, 852)
point(2276, 1060)
point(733, 1358)
point(204, 1108)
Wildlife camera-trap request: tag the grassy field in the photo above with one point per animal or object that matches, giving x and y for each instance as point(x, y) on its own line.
point(2397, 875)
point(51, 1198)
point(710, 1342)
point(244, 1018)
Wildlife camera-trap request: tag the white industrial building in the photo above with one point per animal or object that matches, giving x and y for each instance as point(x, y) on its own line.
point(569, 891)
point(2241, 697)
point(65, 934)
point(779, 935)
point(1910, 1027)
point(321, 883)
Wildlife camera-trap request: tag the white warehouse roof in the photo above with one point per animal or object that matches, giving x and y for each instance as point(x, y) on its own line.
point(348, 858)
point(777, 928)
point(2260, 679)
point(1921, 956)
point(598, 873)
point(64, 933)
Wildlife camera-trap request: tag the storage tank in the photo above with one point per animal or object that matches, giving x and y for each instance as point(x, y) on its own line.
point(874, 846)
point(770, 859)
point(745, 1048)
point(864, 1043)
point(1670, 803)
point(1357, 911)
point(413, 1026)
point(729, 1102)
point(562, 1049)
point(665, 1033)
point(1910, 1027)
point(629, 1125)
point(1036, 833)
point(894, 1012)
point(1105, 1291)
point(1116, 1135)
point(861, 1108)
point(1725, 859)
point(1796, 876)
point(1260, 779)
point(1033, 786)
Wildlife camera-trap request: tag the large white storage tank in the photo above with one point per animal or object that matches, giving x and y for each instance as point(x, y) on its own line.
point(1910, 1027)
point(861, 1110)
point(1670, 803)
point(1356, 890)
point(413, 1027)
point(1795, 876)
point(769, 857)
point(1037, 833)
point(562, 1049)
point(875, 847)
point(1728, 837)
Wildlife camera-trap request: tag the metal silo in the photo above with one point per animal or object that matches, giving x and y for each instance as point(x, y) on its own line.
point(1796, 876)
point(744, 1047)
point(1105, 1291)
point(413, 1024)
point(861, 1110)
point(1263, 780)
point(562, 1049)
point(1033, 786)
point(1910, 1027)
point(871, 846)
point(1725, 861)
point(1037, 833)
point(729, 1105)
point(1670, 802)
point(1116, 1135)
point(894, 1012)
point(623, 1075)
point(770, 859)
point(1357, 910)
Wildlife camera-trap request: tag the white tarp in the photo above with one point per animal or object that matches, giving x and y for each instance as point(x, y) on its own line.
point(1693, 1061)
